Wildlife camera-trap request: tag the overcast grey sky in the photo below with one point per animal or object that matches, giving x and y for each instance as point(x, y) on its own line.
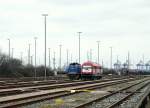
point(122, 24)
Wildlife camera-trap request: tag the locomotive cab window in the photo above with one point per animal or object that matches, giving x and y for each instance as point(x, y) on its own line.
point(87, 68)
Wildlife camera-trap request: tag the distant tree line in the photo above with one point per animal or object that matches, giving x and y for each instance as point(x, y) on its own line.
point(12, 67)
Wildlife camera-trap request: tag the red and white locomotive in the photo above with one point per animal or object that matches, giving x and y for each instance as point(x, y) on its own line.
point(91, 70)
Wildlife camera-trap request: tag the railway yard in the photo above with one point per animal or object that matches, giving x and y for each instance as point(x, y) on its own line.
point(74, 54)
point(109, 92)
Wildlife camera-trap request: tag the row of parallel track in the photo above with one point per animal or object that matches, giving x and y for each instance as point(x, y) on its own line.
point(28, 98)
point(19, 89)
point(123, 98)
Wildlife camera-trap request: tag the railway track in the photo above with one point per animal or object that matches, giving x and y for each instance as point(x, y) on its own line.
point(132, 100)
point(72, 101)
point(33, 83)
point(27, 79)
point(117, 99)
point(18, 100)
point(5, 85)
point(46, 86)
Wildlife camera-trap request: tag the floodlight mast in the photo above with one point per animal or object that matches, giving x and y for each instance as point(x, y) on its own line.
point(49, 58)
point(110, 57)
point(79, 45)
point(60, 46)
point(98, 51)
point(9, 48)
point(45, 15)
point(35, 38)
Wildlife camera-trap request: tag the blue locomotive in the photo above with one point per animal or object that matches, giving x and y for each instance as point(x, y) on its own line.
point(74, 71)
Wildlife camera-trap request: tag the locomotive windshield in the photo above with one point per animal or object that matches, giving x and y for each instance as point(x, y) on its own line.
point(86, 68)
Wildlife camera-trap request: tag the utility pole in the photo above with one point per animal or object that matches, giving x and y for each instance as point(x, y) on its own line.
point(79, 45)
point(45, 15)
point(35, 38)
point(49, 58)
point(98, 51)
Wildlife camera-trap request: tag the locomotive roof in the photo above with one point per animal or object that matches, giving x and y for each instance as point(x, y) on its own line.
point(91, 64)
point(74, 63)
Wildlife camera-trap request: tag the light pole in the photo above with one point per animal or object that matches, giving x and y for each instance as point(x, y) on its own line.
point(49, 58)
point(87, 55)
point(102, 63)
point(143, 57)
point(67, 56)
point(45, 42)
point(35, 38)
point(128, 60)
point(71, 58)
point(9, 48)
point(54, 61)
point(29, 55)
point(32, 60)
point(12, 53)
point(98, 51)
point(60, 57)
point(79, 45)
point(143, 60)
point(110, 57)
point(90, 54)
point(21, 56)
